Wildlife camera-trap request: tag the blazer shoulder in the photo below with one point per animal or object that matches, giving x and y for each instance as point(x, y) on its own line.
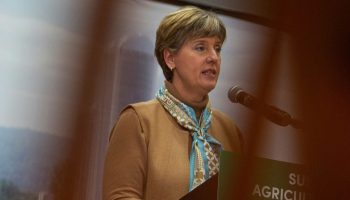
point(146, 111)
point(223, 117)
point(145, 107)
point(145, 104)
point(142, 106)
point(227, 123)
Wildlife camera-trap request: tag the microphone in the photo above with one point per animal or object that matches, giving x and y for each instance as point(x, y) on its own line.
point(276, 115)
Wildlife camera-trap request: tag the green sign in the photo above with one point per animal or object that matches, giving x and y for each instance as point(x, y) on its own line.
point(261, 179)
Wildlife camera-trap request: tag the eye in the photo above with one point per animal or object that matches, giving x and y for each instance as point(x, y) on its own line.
point(200, 48)
point(218, 49)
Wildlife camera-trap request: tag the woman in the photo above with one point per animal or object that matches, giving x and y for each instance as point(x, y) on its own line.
point(165, 147)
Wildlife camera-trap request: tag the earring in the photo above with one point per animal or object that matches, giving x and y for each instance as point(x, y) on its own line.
point(171, 68)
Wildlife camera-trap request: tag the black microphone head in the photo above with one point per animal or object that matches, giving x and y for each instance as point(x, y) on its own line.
point(233, 93)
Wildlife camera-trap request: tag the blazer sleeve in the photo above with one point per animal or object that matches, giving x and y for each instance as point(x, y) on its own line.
point(125, 165)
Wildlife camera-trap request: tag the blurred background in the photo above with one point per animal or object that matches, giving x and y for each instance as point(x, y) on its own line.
point(67, 68)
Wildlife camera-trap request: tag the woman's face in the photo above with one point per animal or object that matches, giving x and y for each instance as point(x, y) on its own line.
point(197, 65)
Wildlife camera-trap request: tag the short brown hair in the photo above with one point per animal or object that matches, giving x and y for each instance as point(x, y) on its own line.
point(186, 23)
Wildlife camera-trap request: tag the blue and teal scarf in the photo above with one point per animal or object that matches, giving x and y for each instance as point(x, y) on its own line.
point(204, 156)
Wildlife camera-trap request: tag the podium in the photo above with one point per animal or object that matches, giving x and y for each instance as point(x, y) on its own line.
point(266, 179)
point(207, 190)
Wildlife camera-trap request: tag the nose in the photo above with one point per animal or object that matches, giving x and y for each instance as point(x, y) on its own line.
point(213, 55)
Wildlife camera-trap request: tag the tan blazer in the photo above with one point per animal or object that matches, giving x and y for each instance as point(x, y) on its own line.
point(148, 153)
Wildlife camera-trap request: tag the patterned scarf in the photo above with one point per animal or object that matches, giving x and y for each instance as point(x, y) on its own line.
point(204, 156)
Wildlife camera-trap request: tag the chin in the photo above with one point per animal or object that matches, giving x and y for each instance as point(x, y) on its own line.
point(209, 87)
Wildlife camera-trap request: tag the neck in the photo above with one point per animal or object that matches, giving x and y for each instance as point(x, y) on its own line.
point(196, 101)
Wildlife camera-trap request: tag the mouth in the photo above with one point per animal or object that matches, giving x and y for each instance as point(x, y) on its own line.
point(211, 73)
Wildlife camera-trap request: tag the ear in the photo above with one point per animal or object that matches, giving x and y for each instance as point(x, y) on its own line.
point(169, 58)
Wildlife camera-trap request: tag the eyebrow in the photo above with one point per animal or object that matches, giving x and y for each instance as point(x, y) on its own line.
point(203, 40)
